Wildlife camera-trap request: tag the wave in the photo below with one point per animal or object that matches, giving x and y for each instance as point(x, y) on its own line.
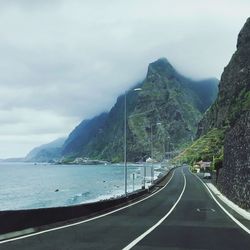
point(76, 199)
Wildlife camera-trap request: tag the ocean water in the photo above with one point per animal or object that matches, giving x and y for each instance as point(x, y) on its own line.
point(25, 185)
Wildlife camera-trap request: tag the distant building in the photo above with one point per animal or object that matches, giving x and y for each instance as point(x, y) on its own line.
point(151, 160)
point(197, 168)
point(204, 165)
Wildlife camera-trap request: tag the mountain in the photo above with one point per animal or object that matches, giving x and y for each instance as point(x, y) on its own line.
point(168, 107)
point(17, 159)
point(233, 98)
point(224, 131)
point(86, 131)
point(47, 152)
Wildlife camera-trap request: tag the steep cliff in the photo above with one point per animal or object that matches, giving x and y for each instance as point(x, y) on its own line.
point(234, 96)
point(47, 152)
point(166, 110)
point(83, 134)
point(224, 131)
point(235, 175)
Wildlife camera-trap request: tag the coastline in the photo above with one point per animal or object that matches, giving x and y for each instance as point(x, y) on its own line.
point(16, 220)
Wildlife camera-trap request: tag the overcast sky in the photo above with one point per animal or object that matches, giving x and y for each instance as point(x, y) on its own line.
point(62, 61)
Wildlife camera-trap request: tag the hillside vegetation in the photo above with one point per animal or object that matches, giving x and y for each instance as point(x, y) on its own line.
point(206, 148)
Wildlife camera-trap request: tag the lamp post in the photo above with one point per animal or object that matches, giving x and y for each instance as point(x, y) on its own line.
point(163, 144)
point(151, 140)
point(125, 142)
point(168, 148)
point(151, 151)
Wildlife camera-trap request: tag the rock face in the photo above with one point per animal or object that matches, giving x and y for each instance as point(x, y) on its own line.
point(231, 113)
point(233, 96)
point(234, 178)
point(166, 110)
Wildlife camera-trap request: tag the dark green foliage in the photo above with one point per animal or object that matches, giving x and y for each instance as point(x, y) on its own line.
point(218, 163)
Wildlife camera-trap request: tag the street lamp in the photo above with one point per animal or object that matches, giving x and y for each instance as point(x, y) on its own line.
point(125, 142)
point(151, 151)
point(163, 144)
point(169, 148)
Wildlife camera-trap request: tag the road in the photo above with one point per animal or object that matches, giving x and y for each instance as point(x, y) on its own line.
point(182, 215)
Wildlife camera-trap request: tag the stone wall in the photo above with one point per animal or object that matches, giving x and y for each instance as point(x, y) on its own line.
point(234, 177)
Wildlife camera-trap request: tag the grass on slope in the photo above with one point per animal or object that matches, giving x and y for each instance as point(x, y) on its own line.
point(206, 148)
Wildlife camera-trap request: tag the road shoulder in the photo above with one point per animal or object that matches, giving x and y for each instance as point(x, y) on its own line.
point(235, 213)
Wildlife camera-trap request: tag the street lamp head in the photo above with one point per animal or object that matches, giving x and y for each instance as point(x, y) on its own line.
point(137, 89)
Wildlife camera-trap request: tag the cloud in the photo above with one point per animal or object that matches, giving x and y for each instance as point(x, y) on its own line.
point(71, 59)
point(21, 129)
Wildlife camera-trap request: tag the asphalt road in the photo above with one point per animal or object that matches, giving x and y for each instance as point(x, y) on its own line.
point(181, 216)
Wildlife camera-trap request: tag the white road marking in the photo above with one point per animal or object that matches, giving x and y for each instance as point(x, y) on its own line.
point(84, 221)
point(231, 216)
point(232, 205)
point(206, 210)
point(139, 238)
point(17, 233)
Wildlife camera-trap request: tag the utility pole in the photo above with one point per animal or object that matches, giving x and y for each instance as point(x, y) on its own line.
point(125, 144)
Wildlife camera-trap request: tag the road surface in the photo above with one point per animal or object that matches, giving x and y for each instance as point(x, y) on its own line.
point(183, 215)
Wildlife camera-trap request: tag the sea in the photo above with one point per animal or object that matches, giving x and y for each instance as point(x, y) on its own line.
point(34, 185)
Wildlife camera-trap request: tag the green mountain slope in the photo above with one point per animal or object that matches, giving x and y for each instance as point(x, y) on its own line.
point(166, 97)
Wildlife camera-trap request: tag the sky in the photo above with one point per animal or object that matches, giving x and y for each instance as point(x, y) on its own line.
point(63, 61)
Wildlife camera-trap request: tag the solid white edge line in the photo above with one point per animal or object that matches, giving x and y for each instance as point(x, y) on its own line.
point(139, 238)
point(230, 215)
point(242, 212)
point(84, 221)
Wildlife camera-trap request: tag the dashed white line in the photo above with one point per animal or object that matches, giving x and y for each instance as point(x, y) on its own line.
point(139, 238)
point(91, 219)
